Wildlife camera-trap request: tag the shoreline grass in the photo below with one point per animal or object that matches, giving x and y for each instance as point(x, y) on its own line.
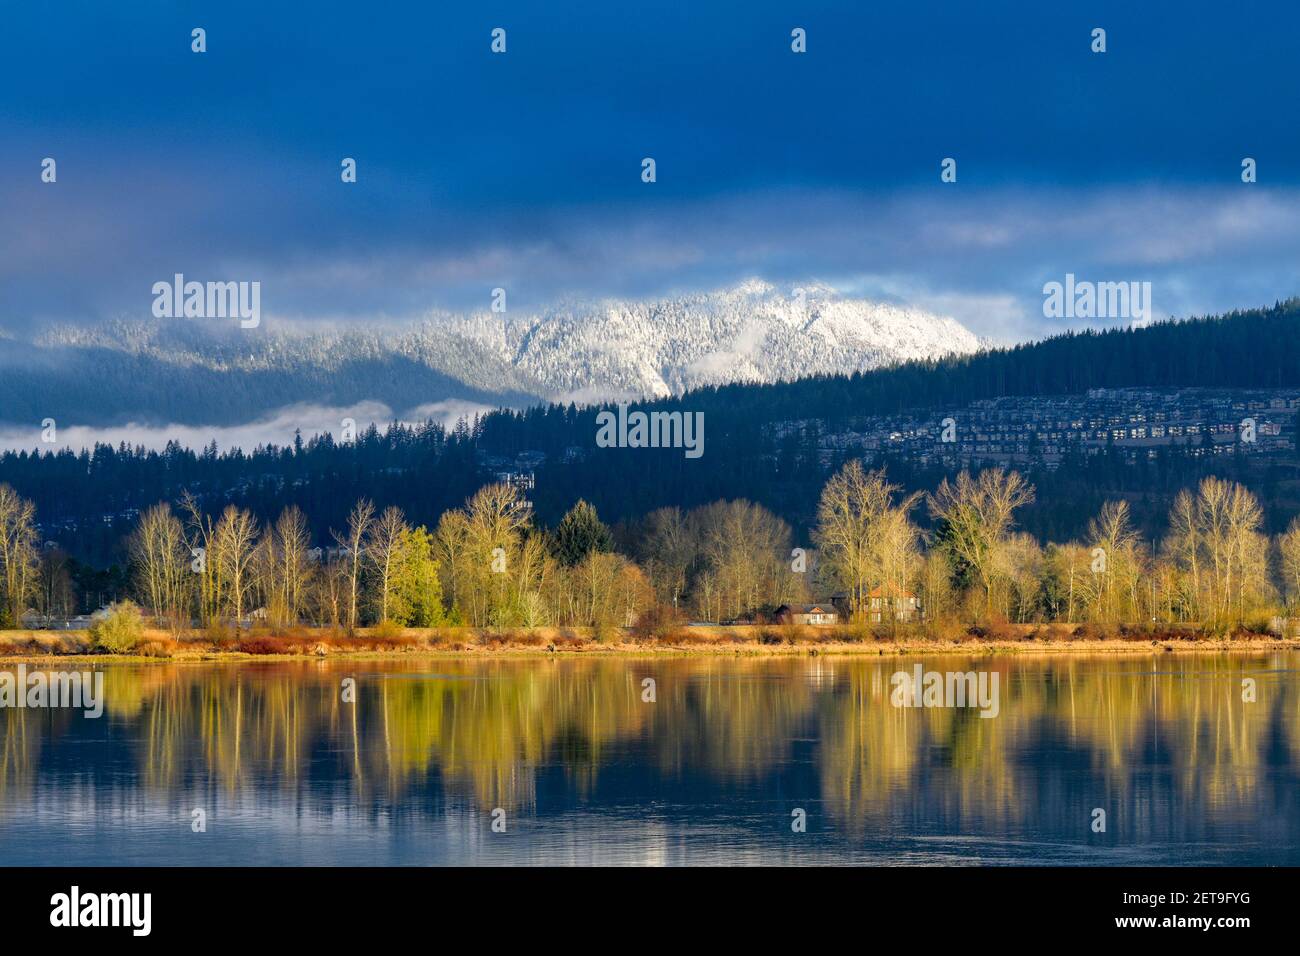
point(707, 641)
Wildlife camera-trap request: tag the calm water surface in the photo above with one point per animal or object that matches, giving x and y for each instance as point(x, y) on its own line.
point(585, 771)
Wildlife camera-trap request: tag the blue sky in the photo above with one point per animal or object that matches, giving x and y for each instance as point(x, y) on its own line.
point(522, 170)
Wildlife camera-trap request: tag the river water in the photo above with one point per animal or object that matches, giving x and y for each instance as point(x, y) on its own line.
point(1162, 759)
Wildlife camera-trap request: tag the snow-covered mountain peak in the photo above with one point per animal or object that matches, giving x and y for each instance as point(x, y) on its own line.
point(754, 331)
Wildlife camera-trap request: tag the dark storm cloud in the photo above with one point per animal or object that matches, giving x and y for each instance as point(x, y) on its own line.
point(522, 170)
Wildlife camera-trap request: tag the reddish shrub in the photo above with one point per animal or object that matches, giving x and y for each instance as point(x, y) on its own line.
point(261, 645)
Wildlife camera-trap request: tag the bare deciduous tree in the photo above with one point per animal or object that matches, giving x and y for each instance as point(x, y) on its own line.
point(351, 543)
point(976, 516)
point(236, 541)
point(384, 554)
point(18, 545)
point(865, 539)
point(161, 559)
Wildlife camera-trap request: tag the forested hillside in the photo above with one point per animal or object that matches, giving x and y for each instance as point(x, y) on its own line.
point(86, 500)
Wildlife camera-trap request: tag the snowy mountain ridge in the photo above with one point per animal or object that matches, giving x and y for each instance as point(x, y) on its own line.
point(202, 371)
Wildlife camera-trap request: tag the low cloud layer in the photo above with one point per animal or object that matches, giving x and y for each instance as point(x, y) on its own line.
point(277, 428)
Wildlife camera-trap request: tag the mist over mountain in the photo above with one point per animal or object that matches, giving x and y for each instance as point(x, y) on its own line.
point(209, 372)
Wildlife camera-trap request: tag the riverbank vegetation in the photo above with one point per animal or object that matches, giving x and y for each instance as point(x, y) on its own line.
point(260, 643)
point(946, 565)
